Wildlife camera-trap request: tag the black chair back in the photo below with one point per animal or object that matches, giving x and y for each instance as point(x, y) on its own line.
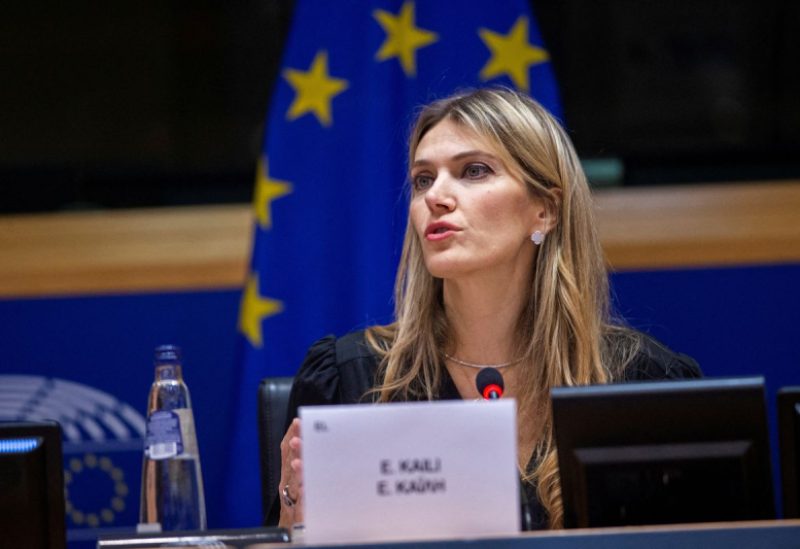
point(273, 404)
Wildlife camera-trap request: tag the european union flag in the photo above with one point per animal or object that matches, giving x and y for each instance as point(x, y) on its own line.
point(329, 200)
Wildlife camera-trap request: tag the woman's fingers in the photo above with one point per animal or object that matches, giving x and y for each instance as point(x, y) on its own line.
point(296, 463)
point(291, 485)
point(297, 467)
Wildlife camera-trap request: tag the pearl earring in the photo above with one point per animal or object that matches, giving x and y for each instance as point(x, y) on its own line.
point(537, 237)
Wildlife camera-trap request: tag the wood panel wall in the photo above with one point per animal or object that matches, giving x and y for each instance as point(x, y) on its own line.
point(207, 247)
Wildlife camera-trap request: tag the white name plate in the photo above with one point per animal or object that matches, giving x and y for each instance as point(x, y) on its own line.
point(387, 472)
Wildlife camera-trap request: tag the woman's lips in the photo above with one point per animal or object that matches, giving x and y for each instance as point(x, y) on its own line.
point(433, 237)
point(440, 231)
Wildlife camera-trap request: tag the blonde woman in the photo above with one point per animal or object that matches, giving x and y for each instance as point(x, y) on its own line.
point(501, 267)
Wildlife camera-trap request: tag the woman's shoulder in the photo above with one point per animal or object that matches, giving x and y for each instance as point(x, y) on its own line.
point(654, 360)
point(651, 359)
point(336, 370)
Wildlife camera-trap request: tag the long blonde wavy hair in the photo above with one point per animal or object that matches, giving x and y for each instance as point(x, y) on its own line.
point(563, 329)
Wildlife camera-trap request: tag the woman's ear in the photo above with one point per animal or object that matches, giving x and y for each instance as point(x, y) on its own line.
point(549, 213)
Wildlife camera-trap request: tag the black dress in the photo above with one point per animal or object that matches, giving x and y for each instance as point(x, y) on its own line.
point(342, 371)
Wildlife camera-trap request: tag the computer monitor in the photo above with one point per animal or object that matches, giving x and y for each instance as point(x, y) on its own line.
point(663, 452)
point(31, 486)
point(789, 435)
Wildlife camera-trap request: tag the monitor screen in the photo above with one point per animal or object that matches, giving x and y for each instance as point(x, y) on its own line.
point(789, 432)
point(663, 452)
point(31, 486)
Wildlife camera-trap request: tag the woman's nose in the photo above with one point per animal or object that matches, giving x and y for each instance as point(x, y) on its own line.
point(439, 195)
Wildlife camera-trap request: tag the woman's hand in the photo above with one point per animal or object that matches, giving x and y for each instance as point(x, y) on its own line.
point(290, 491)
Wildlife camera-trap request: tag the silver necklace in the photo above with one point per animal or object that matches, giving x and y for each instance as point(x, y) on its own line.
point(473, 365)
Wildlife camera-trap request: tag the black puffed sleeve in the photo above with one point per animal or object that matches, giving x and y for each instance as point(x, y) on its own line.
point(317, 380)
point(335, 371)
point(655, 361)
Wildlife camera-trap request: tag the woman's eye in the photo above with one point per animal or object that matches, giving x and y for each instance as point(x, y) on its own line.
point(422, 181)
point(476, 171)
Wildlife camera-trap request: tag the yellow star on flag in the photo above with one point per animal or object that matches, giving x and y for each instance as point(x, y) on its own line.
point(267, 190)
point(511, 54)
point(253, 309)
point(314, 89)
point(403, 37)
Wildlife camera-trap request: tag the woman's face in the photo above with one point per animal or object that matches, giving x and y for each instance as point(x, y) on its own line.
point(470, 214)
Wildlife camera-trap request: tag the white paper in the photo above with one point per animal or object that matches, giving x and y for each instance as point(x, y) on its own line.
point(378, 472)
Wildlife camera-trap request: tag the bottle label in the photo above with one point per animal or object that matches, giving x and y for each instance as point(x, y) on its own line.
point(188, 435)
point(164, 438)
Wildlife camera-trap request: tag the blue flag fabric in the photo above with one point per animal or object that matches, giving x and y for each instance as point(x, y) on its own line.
point(330, 200)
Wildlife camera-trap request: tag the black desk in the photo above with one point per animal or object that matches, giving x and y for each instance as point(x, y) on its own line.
point(758, 535)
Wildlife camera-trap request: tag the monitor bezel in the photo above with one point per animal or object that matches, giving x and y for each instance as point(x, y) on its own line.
point(671, 413)
point(789, 441)
point(50, 433)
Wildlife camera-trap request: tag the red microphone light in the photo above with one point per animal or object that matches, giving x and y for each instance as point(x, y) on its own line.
point(492, 391)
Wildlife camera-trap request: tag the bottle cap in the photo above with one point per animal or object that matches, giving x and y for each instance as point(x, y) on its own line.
point(168, 353)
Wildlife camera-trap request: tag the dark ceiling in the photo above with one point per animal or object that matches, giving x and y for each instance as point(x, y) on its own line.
point(128, 103)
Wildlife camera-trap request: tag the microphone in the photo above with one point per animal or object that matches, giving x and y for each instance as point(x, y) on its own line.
point(490, 383)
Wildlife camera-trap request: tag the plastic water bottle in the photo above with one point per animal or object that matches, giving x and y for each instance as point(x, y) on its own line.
point(172, 485)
